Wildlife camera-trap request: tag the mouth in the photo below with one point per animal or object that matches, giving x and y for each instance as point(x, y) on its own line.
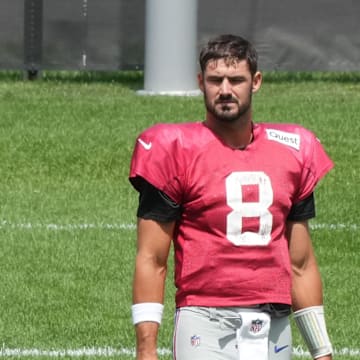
point(226, 106)
point(226, 101)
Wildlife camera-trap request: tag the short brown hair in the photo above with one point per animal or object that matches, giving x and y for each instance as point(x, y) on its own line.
point(229, 47)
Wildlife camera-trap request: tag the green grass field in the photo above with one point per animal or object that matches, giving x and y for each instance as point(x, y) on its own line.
point(67, 214)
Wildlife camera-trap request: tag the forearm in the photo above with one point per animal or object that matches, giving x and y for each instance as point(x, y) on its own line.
point(149, 281)
point(148, 287)
point(307, 292)
point(154, 241)
point(153, 246)
point(146, 340)
point(306, 287)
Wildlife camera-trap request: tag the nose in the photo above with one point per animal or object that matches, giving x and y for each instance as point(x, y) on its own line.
point(225, 87)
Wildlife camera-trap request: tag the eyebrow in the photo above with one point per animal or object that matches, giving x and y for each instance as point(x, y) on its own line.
point(231, 78)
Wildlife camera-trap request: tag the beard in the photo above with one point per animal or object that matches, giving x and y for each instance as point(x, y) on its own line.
point(226, 108)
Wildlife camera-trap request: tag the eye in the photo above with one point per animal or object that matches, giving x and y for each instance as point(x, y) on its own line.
point(236, 80)
point(215, 80)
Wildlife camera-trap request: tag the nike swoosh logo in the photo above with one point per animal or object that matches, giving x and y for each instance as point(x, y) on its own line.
point(145, 145)
point(281, 348)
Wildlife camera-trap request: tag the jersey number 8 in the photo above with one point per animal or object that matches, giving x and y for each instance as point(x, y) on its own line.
point(235, 183)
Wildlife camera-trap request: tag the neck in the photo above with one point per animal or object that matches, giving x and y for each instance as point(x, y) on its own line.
point(237, 134)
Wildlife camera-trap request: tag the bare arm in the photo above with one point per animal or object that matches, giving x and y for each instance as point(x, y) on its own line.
point(153, 246)
point(307, 285)
point(306, 279)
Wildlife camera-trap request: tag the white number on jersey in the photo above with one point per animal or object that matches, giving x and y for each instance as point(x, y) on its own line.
point(242, 209)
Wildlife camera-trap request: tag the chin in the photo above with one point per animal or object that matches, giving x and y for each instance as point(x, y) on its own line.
point(228, 118)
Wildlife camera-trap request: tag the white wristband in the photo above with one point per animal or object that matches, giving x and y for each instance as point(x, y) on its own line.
point(312, 326)
point(147, 312)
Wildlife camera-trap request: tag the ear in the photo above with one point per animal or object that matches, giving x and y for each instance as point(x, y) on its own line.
point(256, 81)
point(200, 79)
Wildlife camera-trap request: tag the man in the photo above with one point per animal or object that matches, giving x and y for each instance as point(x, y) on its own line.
point(235, 197)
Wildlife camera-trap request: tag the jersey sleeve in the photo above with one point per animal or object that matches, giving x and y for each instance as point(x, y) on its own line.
point(157, 159)
point(303, 210)
point(155, 205)
point(316, 164)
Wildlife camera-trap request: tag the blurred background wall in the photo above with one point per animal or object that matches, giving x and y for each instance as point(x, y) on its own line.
point(290, 35)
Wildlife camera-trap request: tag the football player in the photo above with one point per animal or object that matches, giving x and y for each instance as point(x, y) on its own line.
point(235, 197)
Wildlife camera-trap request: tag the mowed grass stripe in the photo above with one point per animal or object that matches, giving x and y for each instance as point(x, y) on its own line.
point(110, 352)
point(132, 226)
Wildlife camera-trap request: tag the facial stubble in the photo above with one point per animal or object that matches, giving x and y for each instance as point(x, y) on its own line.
point(227, 102)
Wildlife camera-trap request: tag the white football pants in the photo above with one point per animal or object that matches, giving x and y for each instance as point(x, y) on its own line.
point(203, 333)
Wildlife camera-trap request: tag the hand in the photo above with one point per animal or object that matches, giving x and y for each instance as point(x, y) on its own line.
point(326, 357)
point(146, 356)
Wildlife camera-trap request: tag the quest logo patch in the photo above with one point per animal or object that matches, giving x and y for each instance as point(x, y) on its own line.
point(283, 137)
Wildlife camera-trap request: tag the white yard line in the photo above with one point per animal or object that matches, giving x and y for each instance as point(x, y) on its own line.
point(110, 351)
point(4, 224)
point(65, 227)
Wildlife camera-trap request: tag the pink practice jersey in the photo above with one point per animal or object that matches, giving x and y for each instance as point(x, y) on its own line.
point(230, 244)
